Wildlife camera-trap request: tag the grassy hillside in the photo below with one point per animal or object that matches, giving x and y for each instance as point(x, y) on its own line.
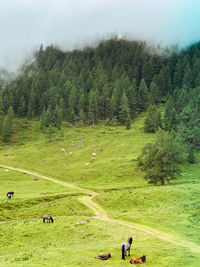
point(123, 193)
point(116, 149)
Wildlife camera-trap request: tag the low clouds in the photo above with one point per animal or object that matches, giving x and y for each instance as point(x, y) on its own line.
point(25, 24)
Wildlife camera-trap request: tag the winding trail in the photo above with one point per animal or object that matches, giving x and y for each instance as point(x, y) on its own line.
point(101, 214)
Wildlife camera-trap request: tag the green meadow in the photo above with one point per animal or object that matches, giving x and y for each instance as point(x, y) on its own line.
point(25, 240)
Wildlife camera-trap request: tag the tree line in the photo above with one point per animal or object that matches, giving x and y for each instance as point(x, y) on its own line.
point(114, 82)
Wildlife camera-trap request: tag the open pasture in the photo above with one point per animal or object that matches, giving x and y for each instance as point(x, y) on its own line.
point(122, 193)
point(32, 243)
point(33, 197)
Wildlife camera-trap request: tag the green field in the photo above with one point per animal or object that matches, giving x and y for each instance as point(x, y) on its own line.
point(123, 194)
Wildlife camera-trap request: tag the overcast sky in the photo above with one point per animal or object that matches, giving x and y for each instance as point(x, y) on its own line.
point(25, 24)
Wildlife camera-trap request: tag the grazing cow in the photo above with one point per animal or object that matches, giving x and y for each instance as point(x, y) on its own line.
point(139, 260)
point(10, 194)
point(92, 159)
point(126, 246)
point(104, 256)
point(62, 150)
point(94, 154)
point(48, 218)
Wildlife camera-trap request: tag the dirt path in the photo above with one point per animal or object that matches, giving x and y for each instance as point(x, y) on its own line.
point(101, 214)
point(85, 191)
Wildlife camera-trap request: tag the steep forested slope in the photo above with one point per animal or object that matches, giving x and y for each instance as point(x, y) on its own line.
point(114, 81)
point(110, 81)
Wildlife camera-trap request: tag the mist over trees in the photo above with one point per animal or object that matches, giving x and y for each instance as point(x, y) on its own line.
point(113, 82)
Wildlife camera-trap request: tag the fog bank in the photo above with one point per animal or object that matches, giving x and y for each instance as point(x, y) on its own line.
point(25, 24)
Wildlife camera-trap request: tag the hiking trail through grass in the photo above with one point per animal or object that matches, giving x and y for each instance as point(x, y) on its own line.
point(101, 214)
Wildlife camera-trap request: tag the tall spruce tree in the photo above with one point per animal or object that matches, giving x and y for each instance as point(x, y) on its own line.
point(124, 109)
point(154, 90)
point(93, 106)
point(168, 111)
point(153, 119)
point(115, 100)
point(172, 123)
point(22, 107)
point(31, 105)
point(143, 96)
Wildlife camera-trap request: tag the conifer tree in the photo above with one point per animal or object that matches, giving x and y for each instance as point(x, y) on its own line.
point(106, 101)
point(124, 110)
point(161, 82)
point(188, 77)
point(160, 160)
point(10, 113)
point(154, 90)
point(186, 116)
point(31, 105)
point(168, 110)
point(172, 124)
point(22, 107)
point(182, 100)
point(153, 120)
point(136, 75)
point(143, 96)
point(93, 106)
point(72, 104)
point(82, 106)
point(178, 75)
point(115, 100)
point(47, 117)
point(131, 94)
